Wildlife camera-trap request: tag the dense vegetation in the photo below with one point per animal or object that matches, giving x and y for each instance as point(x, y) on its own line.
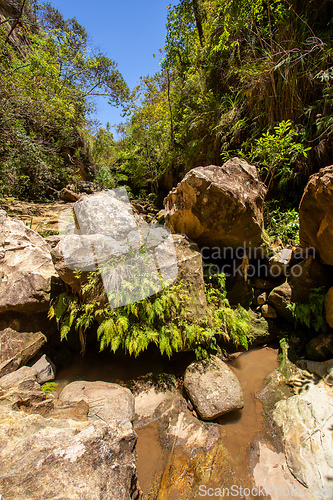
point(251, 78)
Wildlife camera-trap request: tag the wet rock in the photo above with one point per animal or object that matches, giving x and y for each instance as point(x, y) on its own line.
point(44, 369)
point(316, 214)
point(27, 270)
point(320, 348)
point(306, 422)
point(213, 388)
point(193, 450)
point(107, 402)
point(329, 307)
point(268, 311)
point(279, 299)
point(16, 348)
point(218, 206)
point(59, 458)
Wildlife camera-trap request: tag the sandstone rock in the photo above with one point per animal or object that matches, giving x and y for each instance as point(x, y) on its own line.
point(69, 195)
point(44, 369)
point(16, 348)
point(273, 465)
point(66, 459)
point(316, 214)
point(190, 273)
point(107, 402)
point(213, 388)
point(268, 311)
point(27, 268)
point(329, 307)
point(192, 451)
point(306, 422)
point(320, 348)
point(24, 374)
point(218, 206)
point(306, 276)
point(279, 298)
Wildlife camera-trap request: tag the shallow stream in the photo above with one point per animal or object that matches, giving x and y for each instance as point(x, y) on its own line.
point(239, 430)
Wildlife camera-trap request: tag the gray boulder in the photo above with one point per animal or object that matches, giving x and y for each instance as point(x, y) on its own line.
point(213, 388)
point(45, 370)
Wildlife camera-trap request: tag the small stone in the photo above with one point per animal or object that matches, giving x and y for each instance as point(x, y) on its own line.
point(268, 311)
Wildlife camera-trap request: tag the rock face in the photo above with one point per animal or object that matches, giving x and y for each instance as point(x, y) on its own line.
point(58, 458)
point(218, 206)
point(56, 449)
point(213, 388)
point(306, 423)
point(316, 214)
point(107, 402)
point(329, 307)
point(16, 348)
point(26, 268)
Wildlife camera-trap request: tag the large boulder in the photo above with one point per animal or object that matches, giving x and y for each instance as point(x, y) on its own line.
point(109, 231)
point(218, 206)
point(316, 214)
point(62, 458)
point(306, 422)
point(27, 270)
point(213, 388)
point(107, 402)
point(16, 348)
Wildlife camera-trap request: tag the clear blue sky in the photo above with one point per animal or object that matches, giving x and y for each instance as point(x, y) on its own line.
point(127, 31)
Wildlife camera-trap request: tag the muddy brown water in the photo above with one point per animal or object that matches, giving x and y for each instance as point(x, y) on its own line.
point(238, 429)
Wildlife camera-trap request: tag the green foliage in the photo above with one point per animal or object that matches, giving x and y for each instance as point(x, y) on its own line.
point(47, 87)
point(49, 387)
point(284, 224)
point(276, 152)
point(162, 320)
point(312, 315)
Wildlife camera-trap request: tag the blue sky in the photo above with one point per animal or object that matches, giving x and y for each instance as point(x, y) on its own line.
point(127, 31)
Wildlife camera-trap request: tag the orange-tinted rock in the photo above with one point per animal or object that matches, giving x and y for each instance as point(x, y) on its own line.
point(218, 206)
point(316, 214)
